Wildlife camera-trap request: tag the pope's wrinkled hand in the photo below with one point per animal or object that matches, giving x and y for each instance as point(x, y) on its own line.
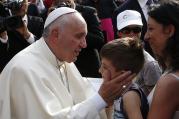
point(112, 89)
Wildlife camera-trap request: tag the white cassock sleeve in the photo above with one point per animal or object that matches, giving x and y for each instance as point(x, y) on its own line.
point(31, 94)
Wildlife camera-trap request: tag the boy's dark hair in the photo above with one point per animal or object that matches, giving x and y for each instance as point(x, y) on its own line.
point(124, 54)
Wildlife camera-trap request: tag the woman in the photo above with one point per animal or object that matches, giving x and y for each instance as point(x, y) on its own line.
point(163, 36)
point(118, 56)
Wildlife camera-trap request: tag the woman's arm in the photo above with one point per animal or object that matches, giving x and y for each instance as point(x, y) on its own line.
point(165, 98)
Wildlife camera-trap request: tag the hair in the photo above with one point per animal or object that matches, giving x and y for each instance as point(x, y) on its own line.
point(64, 3)
point(167, 13)
point(62, 21)
point(124, 54)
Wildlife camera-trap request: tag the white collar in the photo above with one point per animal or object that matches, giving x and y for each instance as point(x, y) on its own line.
point(4, 40)
point(25, 19)
point(142, 3)
point(48, 53)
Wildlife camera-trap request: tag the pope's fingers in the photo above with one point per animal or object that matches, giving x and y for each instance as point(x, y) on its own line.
point(130, 77)
point(122, 77)
point(125, 83)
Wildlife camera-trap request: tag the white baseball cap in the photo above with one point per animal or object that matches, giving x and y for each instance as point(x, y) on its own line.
point(58, 13)
point(128, 17)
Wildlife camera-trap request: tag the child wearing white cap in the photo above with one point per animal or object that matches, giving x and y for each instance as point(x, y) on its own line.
point(129, 23)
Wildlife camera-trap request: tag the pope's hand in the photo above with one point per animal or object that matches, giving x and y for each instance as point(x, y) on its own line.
point(112, 89)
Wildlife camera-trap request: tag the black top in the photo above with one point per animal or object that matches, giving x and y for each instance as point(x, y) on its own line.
point(105, 8)
point(88, 61)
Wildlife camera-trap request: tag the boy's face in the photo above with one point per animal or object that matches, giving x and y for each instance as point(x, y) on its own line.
point(130, 31)
point(107, 69)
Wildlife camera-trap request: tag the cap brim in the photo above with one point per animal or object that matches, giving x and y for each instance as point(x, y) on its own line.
point(131, 22)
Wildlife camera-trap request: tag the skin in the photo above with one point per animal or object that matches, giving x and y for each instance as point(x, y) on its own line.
point(166, 99)
point(154, 34)
point(22, 12)
point(130, 98)
point(113, 79)
point(23, 9)
point(121, 35)
point(67, 47)
point(3, 35)
point(24, 31)
point(107, 70)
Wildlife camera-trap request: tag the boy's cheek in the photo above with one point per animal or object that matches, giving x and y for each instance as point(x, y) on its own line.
point(106, 75)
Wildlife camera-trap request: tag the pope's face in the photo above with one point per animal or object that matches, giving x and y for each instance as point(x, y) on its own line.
point(71, 40)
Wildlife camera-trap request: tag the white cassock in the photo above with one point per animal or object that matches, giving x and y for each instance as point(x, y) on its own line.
point(31, 88)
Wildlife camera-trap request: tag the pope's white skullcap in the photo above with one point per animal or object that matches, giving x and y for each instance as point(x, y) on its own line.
point(57, 13)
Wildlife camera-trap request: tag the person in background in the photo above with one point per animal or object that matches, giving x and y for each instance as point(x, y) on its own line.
point(34, 24)
point(88, 61)
point(37, 8)
point(116, 58)
point(142, 7)
point(42, 82)
point(129, 24)
point(105, 9)
point(3, 48)
point(163, 36)
point(33, 10)
point(22, 29)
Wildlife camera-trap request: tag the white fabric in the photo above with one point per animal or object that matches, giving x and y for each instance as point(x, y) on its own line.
point(40, 5)
point(4, 40)
point(150, 96)
point(128, 17)
point(25, 19)
point(18, 1)
point(57, 13)
point(31, 88)
point(144, 8)
point(31, 39)
point(95, 82)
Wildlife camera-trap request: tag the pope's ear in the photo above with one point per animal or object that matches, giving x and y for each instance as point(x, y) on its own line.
point(54, 34)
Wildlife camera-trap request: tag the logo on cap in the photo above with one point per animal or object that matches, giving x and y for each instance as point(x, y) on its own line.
point(125, 17)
